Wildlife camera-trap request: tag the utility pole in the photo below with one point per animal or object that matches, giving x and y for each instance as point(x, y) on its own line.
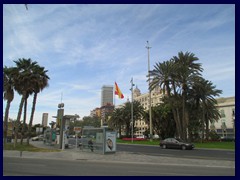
point(150, 99)
point(132, 106)
point(62, 123)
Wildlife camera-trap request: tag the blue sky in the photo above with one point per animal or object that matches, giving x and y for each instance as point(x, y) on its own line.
point(84, 47)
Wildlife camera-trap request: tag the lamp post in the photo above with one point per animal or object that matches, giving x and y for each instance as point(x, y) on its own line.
point(132, 106)
point(150, 99)
point(60, 117)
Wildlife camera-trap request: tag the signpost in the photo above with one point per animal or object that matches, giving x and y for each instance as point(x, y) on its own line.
point(77, 130)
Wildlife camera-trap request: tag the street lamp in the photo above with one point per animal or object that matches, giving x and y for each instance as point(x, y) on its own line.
point(150, 100)
point(62, 132)
point(132, 106)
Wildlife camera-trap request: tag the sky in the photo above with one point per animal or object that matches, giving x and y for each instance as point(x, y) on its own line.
point(84, 47)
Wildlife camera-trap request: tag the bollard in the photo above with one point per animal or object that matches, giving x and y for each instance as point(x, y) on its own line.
point(20, 153)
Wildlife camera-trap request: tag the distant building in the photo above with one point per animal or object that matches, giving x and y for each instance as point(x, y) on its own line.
point(106, 95)
point(96, 112)
point(105, 111)
point(225, 126)
point(45, 119)
point(156, 98)
point(143, 99)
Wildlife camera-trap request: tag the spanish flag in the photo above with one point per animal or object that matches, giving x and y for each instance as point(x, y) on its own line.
point(118, 91)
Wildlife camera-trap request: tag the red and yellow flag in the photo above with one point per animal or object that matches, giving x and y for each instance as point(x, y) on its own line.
point(118, 91)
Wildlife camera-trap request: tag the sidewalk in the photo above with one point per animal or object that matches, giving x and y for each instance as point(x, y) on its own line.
point(118, 157)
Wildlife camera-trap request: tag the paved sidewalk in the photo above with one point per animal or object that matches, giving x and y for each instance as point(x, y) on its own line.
point(118, 157)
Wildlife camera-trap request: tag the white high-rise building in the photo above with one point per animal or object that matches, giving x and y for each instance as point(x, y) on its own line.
point(107, 95)
point(45, 119)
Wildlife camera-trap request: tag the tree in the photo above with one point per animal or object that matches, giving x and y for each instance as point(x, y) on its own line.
point(178, 77)
point(203, 93)
point(91, 121)
point(116, 120)
point(122, 117)
point(165, 76)
point(8, 95)
point(23, 85)
point(187, 69)
point(39, 82)
point(163, 122)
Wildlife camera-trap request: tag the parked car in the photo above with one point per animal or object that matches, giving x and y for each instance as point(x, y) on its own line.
point(175, 144)
point(38, 138)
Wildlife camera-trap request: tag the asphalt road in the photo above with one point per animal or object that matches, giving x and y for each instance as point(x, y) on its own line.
point(194, 154)
point(45, 167)
point(157, 151)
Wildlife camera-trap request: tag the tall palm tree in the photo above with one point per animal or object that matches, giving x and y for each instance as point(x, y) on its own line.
point(116, 120)
point(187, 69)
point(162, 76)
point(203, 93)
point(165, 76)
point(39, 82)
point(163, 122)
point(176, 76)
point(8, 91)
point(122, 116)
point(23, 85)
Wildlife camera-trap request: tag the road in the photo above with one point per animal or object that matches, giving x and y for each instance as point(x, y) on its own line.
point(195, 153)
point(16, 166)
point(157, 151)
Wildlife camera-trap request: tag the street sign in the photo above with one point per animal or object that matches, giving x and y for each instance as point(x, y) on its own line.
point(77, 129)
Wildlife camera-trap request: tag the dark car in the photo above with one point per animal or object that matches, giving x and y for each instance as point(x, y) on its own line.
point(175, 144)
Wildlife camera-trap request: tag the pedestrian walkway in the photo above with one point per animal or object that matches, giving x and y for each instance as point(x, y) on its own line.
point(118, 157)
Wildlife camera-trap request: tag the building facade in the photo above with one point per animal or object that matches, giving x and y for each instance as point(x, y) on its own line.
point(156, 98)
point(45, 119)
point(225, 125)
point(106, 95)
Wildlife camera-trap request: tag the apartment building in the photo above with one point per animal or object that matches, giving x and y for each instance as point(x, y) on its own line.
point(225, 125)
point(45, 119)
point(106, 95)
point(156, 98)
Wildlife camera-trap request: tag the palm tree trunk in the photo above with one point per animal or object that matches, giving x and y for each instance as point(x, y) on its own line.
point(24, 120)
point(177, 123)
point(203, 119)
point(207, 129)
point(31, 117)
point(18, 119)
point(184, 123)
point(6, 121)
point(120, 131)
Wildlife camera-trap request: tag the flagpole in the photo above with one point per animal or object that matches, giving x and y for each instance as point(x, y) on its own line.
point(150, 100)
point(114, 99)
point(132, 107)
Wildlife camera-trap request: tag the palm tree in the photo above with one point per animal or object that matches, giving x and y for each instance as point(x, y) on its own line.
point(122, 116)
point(165, 75)
point(163, 122)
point(176, 76)
point(39, 82)
point(8, 91)
point(116, 120)
point(23, 85)
point(202, 96)
point(186, 70)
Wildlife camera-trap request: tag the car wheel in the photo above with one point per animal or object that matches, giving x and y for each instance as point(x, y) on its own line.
point(164, 146)
point(183, 147)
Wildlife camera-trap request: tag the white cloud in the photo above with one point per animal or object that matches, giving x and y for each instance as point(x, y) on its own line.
point(87, 46)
